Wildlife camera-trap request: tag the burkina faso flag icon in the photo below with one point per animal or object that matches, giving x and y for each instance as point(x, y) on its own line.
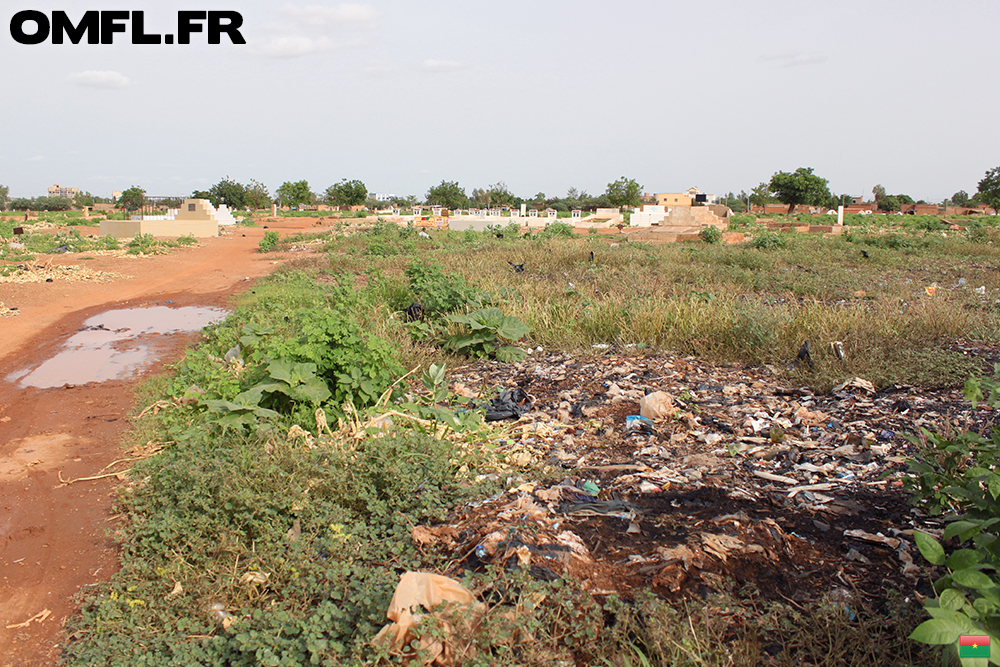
point(974, 646)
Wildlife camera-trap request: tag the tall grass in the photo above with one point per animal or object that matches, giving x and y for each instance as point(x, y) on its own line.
point(728, 303)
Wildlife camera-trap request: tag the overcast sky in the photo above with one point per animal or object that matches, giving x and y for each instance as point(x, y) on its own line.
point(541, 94)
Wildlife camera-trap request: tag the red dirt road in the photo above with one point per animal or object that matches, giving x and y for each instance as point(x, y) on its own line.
point(54, 538)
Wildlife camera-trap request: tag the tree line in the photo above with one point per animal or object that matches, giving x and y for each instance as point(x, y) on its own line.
point(803, 187)
point(800, 187)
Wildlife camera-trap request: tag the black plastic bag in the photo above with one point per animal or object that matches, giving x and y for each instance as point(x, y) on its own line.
point(508, 405)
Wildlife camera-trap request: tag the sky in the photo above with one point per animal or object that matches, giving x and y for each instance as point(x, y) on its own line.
point(543, 95)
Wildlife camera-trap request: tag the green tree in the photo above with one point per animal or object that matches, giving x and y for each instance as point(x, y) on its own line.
point(347, 193)
point(800, 187)
point(960, 198)
point(879, 193)
point(256, 196)
point(888, 203)
point(81, 199)
point(989, 189)
point(738, 203)
point(226, 191)
point(905, 199)
point(132, 199)
point(501, 196)
point(624, 192)
point(481, 197)
point(4, 197)
point(761, 195)
point(295, 194)
point(449, 194)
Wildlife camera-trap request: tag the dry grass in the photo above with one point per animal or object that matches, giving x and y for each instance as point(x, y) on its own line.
point(724, 303)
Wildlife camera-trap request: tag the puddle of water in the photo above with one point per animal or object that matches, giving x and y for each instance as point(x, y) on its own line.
point(106, 349)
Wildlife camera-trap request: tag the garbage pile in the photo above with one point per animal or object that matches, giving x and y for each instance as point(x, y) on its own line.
point(672, 474)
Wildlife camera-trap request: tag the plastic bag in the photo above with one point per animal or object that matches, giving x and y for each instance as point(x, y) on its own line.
point(658, 405)
point(509, 404)
point(442, 597)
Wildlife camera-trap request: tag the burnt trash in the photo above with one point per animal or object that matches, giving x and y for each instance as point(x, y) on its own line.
point(508, 405)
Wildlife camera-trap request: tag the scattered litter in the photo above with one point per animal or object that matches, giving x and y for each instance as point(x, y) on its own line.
point(40, 617)
point(855, 383)
point(451, 605)
point(656, 406)
point(891, 542)
point(8, 312)
point(737, 476)
point(254, 578)
point(178, 590)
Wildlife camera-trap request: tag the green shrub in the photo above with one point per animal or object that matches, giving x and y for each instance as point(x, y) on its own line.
point(270, 240)
point(556, 230)
point(212, 510)
point(356, 365)
point(486, 333)
point(710, 234)
point(439, 292)
point(768, 240)
point(956, 476)
point(142, 244)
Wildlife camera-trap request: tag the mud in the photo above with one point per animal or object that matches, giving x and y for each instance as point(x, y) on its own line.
point(115, 344)
point(55, 537)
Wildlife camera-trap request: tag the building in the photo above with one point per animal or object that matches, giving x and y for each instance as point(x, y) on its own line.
point(59, 191)
point(379, 196)
point(689, 197)
point(699, 197)
point(671, 199)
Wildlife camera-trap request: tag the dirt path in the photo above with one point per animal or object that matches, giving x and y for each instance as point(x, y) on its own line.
point(54, 538)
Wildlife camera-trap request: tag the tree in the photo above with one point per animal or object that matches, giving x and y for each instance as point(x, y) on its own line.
point(738, 203)
point(960, 198)
point(226, 191)
point(132, 199)
point(624, 192)
point(888, 203)
point(989, 189)
point(501, 196)
point(80, 199)
point(481, 197)
point(347, 193)
point(295, 194)
point(4, 197)
point(879, 193)
point(256, 196)
point(449, 194)
point(761, 195)
point(800, 187)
